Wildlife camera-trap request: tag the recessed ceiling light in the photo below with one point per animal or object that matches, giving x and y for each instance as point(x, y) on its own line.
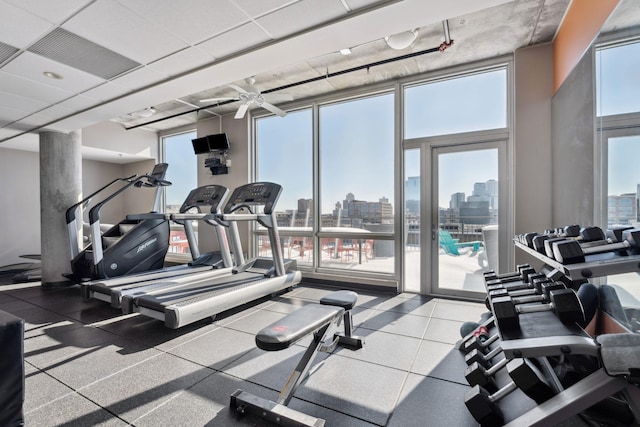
point(345, 51)
point(53, 75)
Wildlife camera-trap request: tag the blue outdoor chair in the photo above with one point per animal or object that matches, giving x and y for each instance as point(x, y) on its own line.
point(451, 245)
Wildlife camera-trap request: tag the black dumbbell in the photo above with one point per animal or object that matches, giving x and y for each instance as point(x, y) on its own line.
point(537, 243)
point(479, 341)
point(511, 281)
point(541, 293)
point(524, 283)
point(633, 238)
point(570, 252)
point(531, 286)
point(492, 275)
point(524, 376)
point(563, 302)
point(588, 236)
point(477, 374)
point(484, 360)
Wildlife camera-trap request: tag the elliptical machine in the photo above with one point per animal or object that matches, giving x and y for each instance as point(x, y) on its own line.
point(137, 244)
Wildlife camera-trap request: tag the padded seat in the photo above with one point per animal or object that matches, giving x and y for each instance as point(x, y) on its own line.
point(297, 325)
point(344, 299)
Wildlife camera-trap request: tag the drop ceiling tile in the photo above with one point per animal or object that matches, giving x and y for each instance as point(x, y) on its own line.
point(31, 66)
point(358, 4)
point(107, 23)
point(28, 89)
point(54, 11)
point(256, 8)
point(236, 40)
point(301, 15)
point(8, 115)
point(87, 118)
point(140, 77)
point(107, 91)
point(20, 28)
point(181, 62)
point(36, 120)
point(195, 21)
point(76, 103)
point(7, 133)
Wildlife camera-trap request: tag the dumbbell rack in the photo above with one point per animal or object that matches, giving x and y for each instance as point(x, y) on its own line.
point(598, 265)
point(542, 335)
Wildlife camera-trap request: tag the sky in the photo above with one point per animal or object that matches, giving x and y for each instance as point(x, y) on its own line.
point(618, 91)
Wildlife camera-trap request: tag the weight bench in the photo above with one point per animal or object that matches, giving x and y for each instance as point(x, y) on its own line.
point(311, 319)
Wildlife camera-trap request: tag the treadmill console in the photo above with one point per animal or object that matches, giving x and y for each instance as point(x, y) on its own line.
point(207, 195)
point(256, 193)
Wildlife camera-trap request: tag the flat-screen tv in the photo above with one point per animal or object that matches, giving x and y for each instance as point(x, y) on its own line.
point(200, 145)
point(218, 142)
point(209, 143)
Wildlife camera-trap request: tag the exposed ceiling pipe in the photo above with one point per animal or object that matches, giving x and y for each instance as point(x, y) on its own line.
point(448, 42)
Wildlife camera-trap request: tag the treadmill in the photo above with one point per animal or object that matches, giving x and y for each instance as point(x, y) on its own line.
point(259, 277)
point(206, 198)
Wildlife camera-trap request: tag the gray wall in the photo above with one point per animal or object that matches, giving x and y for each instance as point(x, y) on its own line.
point(238, 134)
point(20, 207)
point(533, 69)
point(573, 135)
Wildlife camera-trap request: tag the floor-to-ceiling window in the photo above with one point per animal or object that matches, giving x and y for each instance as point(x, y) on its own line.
point(339, 162)
point(356, 177)
point(455, 142)
point(177, 151)
point(335, 162)
point(284, 153)
point(618, 123)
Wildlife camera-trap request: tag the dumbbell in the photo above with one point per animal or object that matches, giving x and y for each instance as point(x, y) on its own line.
point(524, 376)
point(481, 340)
point(515, 289)
point(525, 283)
point(477, 374)
point(589, 236)
point(542, 293)
point(563, 302)
point(568, 252)
point(522, 277)
point(492, 275)
point(569, 231)
point(484, 360)
point(536, 241)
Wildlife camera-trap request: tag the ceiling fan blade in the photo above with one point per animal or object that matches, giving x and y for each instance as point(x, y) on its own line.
point(218, 99)
point(241, 111)
point(236, 87)
point(277, 97)
point(273, 109)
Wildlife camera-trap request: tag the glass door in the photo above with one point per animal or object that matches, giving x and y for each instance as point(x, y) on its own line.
point(465, 216)
point(456, 216)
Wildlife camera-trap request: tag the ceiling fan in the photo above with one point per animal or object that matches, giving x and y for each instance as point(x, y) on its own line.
point(252, 96)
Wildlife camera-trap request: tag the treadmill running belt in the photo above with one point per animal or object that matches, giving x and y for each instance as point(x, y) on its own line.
point(188, 295)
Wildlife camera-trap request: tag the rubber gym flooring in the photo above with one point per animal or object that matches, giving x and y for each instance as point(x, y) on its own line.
point(87, 365)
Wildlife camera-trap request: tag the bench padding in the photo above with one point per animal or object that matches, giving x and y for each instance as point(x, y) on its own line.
point(297, 325)
point(344, 299)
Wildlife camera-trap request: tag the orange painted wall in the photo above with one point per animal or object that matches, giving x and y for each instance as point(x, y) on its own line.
point(578, 30)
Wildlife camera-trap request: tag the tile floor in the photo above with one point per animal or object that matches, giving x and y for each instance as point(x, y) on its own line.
point(87, 365)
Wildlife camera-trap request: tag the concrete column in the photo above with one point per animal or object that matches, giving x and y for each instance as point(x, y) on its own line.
point(60, 187)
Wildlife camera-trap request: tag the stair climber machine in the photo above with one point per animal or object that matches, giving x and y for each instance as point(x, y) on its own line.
point(207, 201)
point(249, 281)
point(136, 244)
